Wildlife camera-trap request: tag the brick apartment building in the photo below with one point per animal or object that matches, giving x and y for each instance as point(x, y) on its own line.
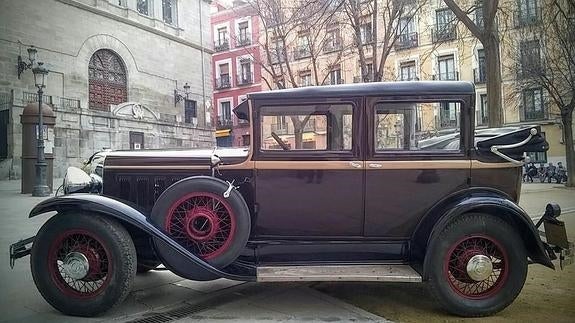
point(236, 69)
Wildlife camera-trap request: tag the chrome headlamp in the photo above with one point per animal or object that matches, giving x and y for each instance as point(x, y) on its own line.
point(77, 181)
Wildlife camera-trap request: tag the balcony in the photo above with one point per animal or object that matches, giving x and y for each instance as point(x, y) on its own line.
point(530, 70)
point(406, 41)
point(221, 45)
point(366, 79)
point(447, 76)
point(226, 123)
point(301, 52)
point(331, 47)
point(245, 79)
point(277, 56)
point(333, 82)
point(445, 33)
point(243, 40)
point(30, 97)
point(532, 114)
point(284, 129)
point(523, 19)
point(479, 76)
point(223, 82)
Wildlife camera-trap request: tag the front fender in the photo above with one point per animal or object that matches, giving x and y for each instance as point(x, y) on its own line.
point(94, 203)
point(479, 201)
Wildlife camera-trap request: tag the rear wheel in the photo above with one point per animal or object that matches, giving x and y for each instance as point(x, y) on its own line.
point(477, 265)
point(83, 264)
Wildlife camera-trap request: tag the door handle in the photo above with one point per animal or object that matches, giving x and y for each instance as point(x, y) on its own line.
point(374, 165)
point(355, 164)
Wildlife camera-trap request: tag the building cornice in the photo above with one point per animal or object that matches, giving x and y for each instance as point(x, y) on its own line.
point(107, 14)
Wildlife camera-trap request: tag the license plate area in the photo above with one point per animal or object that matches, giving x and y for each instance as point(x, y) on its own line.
point(555, 233)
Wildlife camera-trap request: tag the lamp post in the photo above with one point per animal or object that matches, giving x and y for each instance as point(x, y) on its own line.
point(41, 187)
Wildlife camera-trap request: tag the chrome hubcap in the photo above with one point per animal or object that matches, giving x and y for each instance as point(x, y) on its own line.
point(479, 267)
point(76, 265)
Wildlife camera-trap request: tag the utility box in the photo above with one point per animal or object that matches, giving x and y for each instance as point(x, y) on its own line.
point(30, 131)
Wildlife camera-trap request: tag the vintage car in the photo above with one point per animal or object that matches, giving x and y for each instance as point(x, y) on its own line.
point(340, 183)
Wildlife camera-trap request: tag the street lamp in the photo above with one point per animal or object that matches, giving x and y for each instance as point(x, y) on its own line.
point(41, 187)
point(22, 66)
point(178, 97)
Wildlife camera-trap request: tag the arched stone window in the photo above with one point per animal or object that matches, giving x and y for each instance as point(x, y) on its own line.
point(107, 80)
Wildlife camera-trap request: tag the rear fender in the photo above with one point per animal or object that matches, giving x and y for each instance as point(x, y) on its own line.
point(125, 213)
point(478, 201)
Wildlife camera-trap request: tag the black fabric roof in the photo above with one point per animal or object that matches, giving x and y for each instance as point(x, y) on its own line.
point(371, 89)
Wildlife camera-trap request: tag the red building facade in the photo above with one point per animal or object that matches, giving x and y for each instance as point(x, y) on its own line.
point(235, 68)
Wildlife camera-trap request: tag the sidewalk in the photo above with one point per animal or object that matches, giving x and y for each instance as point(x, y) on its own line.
point(158, 295)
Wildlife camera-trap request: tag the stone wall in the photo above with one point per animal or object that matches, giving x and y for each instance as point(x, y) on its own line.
point(158, 58)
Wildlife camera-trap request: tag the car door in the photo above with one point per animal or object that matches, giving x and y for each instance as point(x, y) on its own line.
point(309, 172)
point(415, 158)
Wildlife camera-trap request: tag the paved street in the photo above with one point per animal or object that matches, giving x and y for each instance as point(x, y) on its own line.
point(161, 292)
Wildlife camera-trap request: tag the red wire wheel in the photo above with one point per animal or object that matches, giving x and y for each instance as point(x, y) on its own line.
point(79, 264)
point(476, 267)
point(202, 222)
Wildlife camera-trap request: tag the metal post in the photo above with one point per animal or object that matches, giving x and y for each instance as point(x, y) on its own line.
point(41, 188)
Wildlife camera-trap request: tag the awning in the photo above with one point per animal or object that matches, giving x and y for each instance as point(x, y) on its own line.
point(223, 133)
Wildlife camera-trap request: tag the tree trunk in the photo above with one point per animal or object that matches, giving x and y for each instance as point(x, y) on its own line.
point(569, 149)
point(493, 74)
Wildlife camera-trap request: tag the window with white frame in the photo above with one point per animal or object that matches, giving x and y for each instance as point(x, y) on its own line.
point(533, 105)
point(366, 33)
point(244, 37)
point(144, 7)
point(223, 81)
point(407, 71)
point(305, 78)
point(335, 75)
point(225, 117)
point(169, 11)
point(448, 115)
point(245, 71)
point(482, 113)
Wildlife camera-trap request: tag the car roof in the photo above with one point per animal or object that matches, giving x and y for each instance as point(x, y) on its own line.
point(371, 89)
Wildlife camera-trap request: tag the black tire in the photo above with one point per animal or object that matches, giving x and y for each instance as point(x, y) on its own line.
point(181, 212)
point(456, 246)
point(109, 251)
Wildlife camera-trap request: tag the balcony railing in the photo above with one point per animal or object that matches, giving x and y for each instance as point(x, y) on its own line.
point(33, 97)
point(365, 79)
point(243, 40)
point(277, 57)
point(221, 44)
point(69, 103)
point(301, 52)
point(224, 124)
point(445, 33)
point(533, 115)
point(530, 70)
point(405, 41)
point(284, 129)
point(445, 123)
point(245, 79)
point(523, 18)
point(223, 82)
point(447, 76)
point(333, 82)
point(479, 76)
point(330, 47)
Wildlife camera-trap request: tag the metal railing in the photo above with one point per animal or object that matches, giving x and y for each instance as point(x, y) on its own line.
point(243, 40)
point(284, 129)
point(221, 45)
point(523, 18)
point(533, 115)
point(479, 76)
point(405, 41)
point(332, 47)
point(447, 76)
point(245, 79)
point(224, 124)
point(302, 52)
point(365, 79)
point(333, 82)
point(223, 82)
point(277, 56)
point(530, 70)
point(444, 33)
point(69, 103)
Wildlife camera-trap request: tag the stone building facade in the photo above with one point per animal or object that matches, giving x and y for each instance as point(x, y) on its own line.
point(124, 74)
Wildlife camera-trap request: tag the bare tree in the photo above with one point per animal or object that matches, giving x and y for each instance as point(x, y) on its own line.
point(546, 60)
point(486, 30)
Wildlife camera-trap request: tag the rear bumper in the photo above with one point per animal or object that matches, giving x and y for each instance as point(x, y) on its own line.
point(555, 236)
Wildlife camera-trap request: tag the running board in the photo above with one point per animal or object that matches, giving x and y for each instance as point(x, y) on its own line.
point(383, 273)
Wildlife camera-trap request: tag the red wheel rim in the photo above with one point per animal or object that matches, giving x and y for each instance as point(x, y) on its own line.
point(457, 258)
point(203, 223)
point(94, 252)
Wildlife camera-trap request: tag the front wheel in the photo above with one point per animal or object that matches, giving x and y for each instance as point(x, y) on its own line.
point(83, 264)
point(477, 265)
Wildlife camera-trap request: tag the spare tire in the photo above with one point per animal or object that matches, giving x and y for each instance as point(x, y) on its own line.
point(195, 213)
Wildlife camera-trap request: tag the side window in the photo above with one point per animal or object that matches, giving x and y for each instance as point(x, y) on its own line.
point(423, 126)
point(324, 127)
